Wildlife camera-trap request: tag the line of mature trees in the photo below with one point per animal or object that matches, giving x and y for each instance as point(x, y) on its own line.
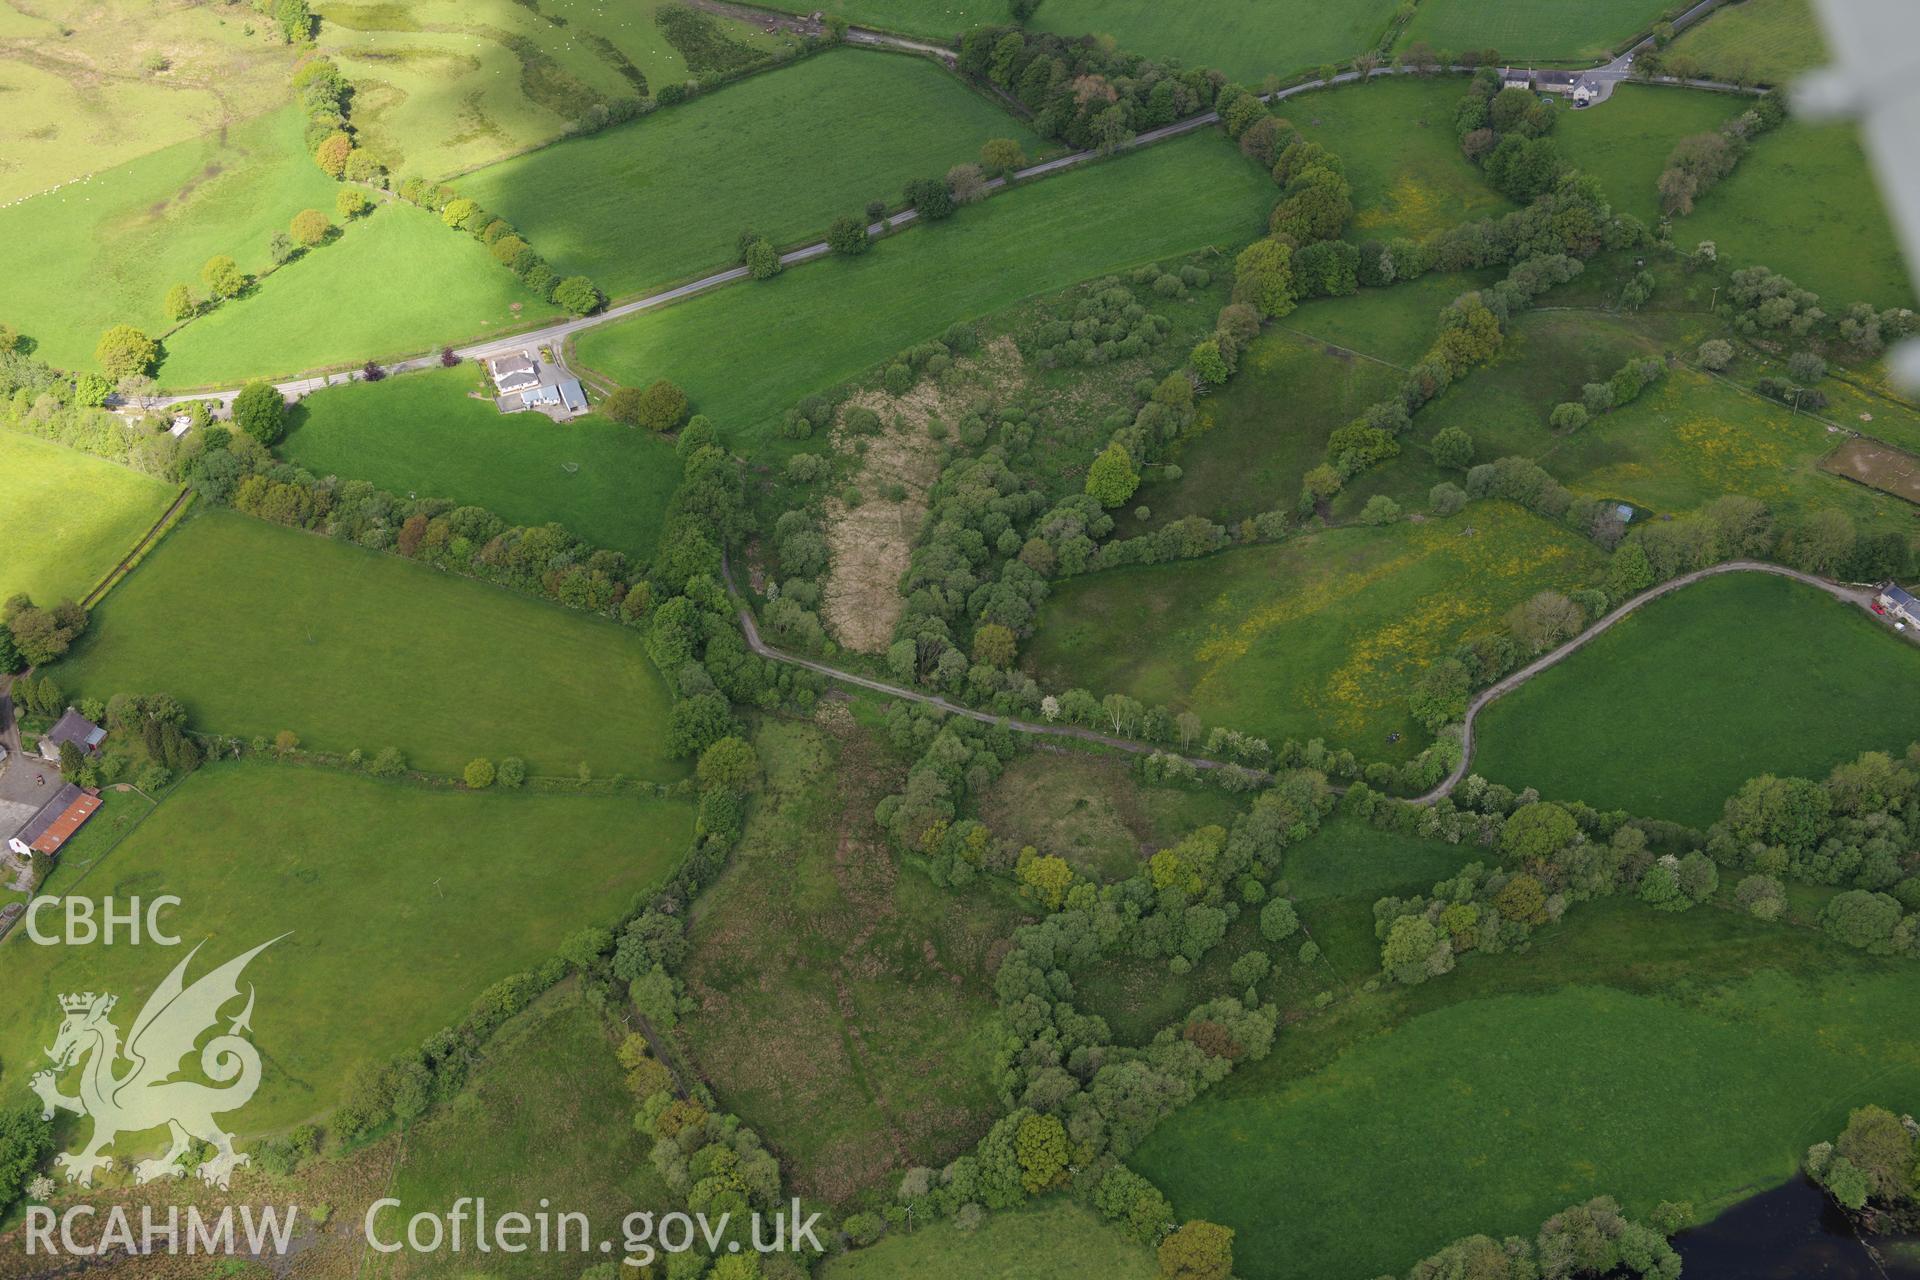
point(1581, 1242)
point(1850, 829)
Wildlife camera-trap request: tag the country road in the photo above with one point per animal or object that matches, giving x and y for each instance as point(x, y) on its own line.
point(1858, 596)
point(556, 334)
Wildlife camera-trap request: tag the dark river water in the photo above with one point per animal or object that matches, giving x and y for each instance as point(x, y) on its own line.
point(1790, 1232)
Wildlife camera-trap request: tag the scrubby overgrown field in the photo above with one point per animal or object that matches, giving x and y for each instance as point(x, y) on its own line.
point(1319, 637)
point(844, 1005)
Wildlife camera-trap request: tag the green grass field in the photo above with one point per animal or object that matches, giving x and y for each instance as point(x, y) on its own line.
point(1255, 437)
point(258, 628)
point(1803, 201)
point(1625, 141)
point(1395, 325)
point(1247, 39)
point(401, 905)
point(845, 1003)
point(422, 433)
point(1628, 1053)
point(1396, 138)
point(540, 1119)
point(68, 518)
point(443, 86)
point(1094, 812)
point(1337, 876)
point(83, 97)
point(1054, 1239)
point(616, 205)
point(1668, 713)
point(108, 249)
point(1532, 30)
point(1320, 636)
point(746, 353)
point(395, 283)
point(1759, 41)
point(1546, 358)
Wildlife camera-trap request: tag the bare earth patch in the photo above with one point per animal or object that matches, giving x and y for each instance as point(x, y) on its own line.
point(871, 543)
point(1877, 465)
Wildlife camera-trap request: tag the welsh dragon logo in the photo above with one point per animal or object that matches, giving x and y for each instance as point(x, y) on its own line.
point(145, 1095)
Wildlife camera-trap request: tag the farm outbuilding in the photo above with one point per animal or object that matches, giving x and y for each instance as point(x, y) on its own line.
point(55, 822)
point(75, 728)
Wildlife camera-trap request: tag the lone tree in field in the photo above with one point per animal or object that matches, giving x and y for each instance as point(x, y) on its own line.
point(309, 227)
point(351, 202)
point(577, 295)
point(261, 412)
point(179, 303)
point(124, 350)
point(1111, 479)
point(223, 276)
point(661, 407)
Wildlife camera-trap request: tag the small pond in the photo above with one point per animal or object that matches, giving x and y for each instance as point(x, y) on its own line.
point(1790, 1233)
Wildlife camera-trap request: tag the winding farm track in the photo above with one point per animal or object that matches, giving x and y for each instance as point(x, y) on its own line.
point(1860, 597)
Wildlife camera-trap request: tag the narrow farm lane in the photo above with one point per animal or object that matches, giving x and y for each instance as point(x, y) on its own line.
point(1860, 597)
point(556, 334)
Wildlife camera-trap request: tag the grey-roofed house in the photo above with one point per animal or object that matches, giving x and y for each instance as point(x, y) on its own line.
point(524, 383)
point(75, 728)
point(1898, 602)
point(514, 372)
